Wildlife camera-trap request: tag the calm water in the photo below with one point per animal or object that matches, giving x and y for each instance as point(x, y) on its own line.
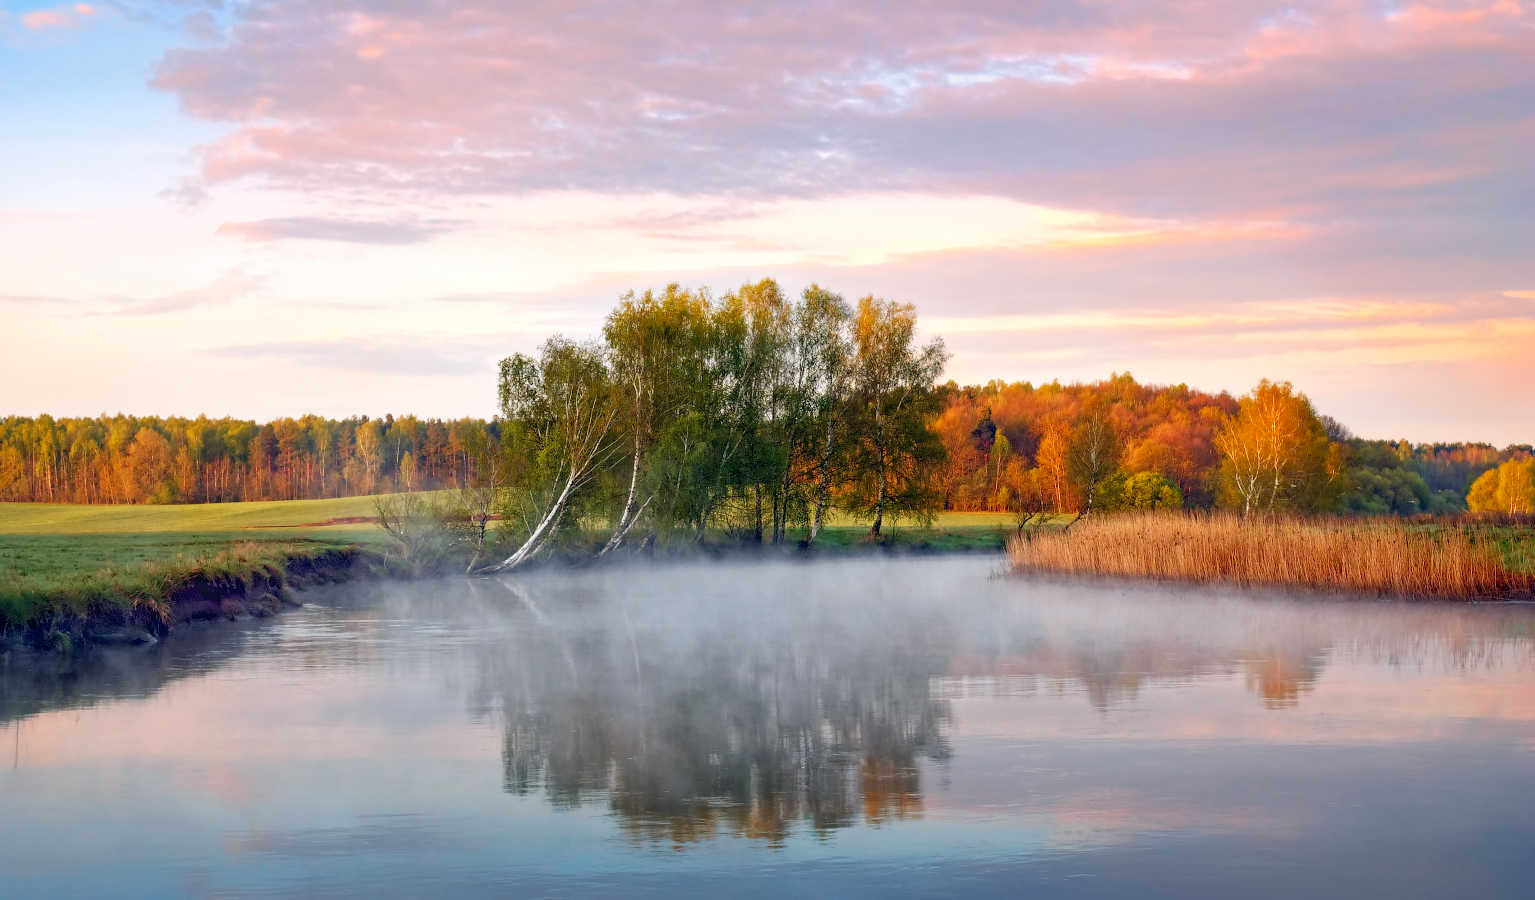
point(890, 728)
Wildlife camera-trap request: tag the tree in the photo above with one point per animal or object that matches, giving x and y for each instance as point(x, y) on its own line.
point(1149, 491)
point(820, 374)
point(652, 345)
point(1275, 453)
point(477, 497)
point(1052, 463)
point(894, 382)
point(558, 411)
point(1093, 452)
point(1510, 488)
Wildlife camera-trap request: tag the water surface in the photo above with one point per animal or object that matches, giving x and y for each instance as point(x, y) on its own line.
point(866, 728)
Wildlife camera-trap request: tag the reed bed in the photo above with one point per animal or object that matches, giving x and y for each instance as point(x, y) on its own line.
point(1372, 557)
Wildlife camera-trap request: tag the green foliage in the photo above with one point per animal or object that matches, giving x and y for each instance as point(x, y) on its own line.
point(1149, 491)
point(1378, 481)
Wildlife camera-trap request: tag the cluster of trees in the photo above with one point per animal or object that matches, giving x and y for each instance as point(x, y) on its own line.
point(752, 412)
point(1116, 444)
point(1510, 488)
point(132, 459)
point(1057, 448)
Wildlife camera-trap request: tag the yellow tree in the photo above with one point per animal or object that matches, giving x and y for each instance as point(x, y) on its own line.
point(1275, 453)
point(1509, 488)
point(1051, 462)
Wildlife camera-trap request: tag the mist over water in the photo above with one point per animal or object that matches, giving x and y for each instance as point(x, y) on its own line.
point(859, 728)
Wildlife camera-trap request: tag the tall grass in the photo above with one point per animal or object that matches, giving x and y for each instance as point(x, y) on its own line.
point(1370, 557)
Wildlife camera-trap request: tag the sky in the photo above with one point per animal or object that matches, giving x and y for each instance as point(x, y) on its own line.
point(276, 207)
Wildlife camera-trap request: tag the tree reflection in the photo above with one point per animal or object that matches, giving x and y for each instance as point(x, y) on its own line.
point(735, 732)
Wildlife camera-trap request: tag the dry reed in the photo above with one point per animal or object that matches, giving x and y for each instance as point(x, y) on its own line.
point(1381, 558)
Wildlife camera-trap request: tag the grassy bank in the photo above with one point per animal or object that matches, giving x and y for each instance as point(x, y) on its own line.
point(67, 569)
point(52, 599)
point(1366, 557)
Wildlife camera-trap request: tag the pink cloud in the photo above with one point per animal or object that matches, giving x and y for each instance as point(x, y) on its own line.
point(1129, 99)
point(60, 17)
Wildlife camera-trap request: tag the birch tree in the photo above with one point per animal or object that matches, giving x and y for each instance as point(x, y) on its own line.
point(822, 378)
point(1093, 453)
point(558, 410)
point(893, 378)
point(1275, 453)
point(652, 345)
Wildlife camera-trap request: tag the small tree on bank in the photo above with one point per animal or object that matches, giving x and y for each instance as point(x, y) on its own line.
point(558, 413)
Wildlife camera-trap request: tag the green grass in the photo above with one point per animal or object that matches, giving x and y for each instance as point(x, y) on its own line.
point(46, 576)
point(60, 518)
point(57, 557)
point(52, 561)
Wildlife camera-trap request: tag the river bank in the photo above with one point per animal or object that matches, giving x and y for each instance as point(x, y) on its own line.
point(65, 610)
point(74, 576)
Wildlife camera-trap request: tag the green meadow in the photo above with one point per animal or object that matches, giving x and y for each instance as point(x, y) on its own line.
point(71, 519)
point(57, 556)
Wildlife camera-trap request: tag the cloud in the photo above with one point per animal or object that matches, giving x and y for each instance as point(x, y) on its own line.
point(1155, 108)
point(318, 229)
point(227, 288)
point(58, 17)
point(233, 285)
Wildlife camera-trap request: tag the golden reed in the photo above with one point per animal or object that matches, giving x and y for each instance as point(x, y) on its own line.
point(1380, 558)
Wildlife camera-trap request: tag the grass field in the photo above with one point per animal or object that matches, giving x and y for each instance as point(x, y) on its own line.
point(59, 518)
point(56, 556)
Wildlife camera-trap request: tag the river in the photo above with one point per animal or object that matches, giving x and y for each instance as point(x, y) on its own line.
point(889, 728)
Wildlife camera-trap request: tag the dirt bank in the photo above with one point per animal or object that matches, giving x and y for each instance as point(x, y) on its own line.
point(255, 590)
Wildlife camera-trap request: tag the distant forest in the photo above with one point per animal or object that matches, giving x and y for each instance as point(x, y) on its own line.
point(716, 407)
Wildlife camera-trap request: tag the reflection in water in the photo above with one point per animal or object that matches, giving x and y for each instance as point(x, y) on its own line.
point(692, 716)
point(32, 682)
point(911, 728)
point(741, 730)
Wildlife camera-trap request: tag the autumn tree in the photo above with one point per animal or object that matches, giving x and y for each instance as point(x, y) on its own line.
point(1510, 488)
point(894, 380)
point(1275, 453)
point(1052, 461)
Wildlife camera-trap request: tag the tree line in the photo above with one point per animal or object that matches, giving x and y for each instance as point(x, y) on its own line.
point(145, 459)
point(758, 414)
point(1117, 444)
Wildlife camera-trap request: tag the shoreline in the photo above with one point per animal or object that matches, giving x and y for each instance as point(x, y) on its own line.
point(143, 604)
point(244, 588)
